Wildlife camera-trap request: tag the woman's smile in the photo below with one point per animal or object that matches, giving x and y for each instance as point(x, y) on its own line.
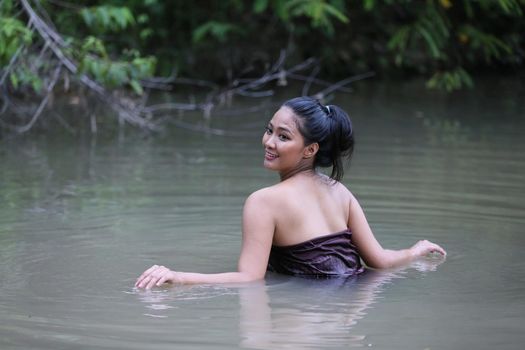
point(270, 156)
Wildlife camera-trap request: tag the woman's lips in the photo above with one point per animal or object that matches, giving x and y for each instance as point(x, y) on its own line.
point(270, 156)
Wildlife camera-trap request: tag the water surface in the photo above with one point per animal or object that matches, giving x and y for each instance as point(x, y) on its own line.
point(81, 217)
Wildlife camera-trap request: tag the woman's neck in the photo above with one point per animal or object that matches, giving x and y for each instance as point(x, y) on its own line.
point(303, 169)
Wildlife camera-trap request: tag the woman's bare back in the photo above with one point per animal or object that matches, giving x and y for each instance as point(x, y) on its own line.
point(306, 207)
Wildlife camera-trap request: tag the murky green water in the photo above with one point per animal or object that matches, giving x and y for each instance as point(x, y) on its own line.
point(80, 218)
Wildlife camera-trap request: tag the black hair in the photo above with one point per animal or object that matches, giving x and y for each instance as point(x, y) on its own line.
point(330, 127)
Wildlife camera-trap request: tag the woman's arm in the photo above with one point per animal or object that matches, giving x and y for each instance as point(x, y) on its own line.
point(258, 228)
point(373, 254)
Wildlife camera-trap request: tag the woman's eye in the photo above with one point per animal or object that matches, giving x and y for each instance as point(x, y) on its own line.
point(283, 137)
point(268, 130)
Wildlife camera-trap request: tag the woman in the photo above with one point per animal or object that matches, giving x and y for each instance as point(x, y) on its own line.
point(308, 223)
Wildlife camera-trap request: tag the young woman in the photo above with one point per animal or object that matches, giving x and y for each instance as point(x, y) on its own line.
point(308, 224)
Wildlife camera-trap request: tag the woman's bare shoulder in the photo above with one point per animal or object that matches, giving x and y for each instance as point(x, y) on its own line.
point(344, 194)
point(341, 189)
point(263, 195)
point(261, 203)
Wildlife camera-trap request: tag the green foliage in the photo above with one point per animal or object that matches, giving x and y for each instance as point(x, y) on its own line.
point(13, 35)
point(445, 37)
point(22, 75)
point(428, 33)
point(113, 66)
point(214, 29)
point(319, 12)
point(93, 45)
point(107, 18)
point(446, 41)
point(260, 6)
point(450, 80)
point(491, 46)
point(95, 62)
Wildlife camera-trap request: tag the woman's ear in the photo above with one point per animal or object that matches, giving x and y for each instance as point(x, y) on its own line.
point(310, 150)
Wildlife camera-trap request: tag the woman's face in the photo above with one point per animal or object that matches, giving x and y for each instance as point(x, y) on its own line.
point(283, 143)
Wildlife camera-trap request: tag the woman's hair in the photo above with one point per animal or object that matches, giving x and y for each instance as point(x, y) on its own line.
point(330, 127)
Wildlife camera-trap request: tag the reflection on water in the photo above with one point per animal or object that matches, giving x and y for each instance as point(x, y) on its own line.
point(80, 218)
point(159, 299)
point(288, 312)
point(319, 314)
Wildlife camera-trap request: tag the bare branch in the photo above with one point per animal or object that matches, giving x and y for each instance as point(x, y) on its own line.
point(10, 65)
point(317, 81)
point(171, 106)
point(43, 104)
point(166, 83)
point(310, 80)
point(323, 93)
point(268, 77)
point(239, 111)
point(255, 93)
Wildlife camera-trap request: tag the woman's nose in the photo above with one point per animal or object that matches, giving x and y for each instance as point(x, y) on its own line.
point(268, 141)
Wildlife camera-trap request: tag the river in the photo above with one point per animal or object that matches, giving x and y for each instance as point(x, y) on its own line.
point(82, 217)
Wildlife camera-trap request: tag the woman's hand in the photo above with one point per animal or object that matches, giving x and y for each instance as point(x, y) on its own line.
point(425, 247)
point(156, 276)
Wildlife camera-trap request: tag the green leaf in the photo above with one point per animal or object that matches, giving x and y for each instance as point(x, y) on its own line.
point(430, 42)
point(218, 30)
point(260, 6)
point(281, 8)
point(400, 39)
point(9, 28)
point(369, 5)
point(36, 84)
point(336, 13)
point(135, 85)
point(143, 18)
point(13, 77)
point(450, 80)
point(107, 18)
point(146, 33)
point(87, 17)
point(103, 17)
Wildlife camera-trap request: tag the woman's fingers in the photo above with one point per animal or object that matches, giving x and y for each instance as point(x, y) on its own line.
point(439, 249)
point(161, 280)
point(169, 276)
point(155, 275)
point(435, 248)
point(425, 247)
point(145, 274)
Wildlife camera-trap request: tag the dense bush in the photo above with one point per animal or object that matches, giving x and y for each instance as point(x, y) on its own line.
point(446, 41)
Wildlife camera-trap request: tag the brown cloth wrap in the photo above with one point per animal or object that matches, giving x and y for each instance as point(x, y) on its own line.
point(326, 256)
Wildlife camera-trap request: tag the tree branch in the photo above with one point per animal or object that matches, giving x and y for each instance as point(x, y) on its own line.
point(55, 42)
point(43, 103)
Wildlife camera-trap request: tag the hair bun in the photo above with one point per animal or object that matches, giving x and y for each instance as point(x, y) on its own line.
point(330, 127)
point(342, 135)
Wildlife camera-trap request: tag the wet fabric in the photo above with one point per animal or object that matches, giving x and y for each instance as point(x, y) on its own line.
point(326, 256)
